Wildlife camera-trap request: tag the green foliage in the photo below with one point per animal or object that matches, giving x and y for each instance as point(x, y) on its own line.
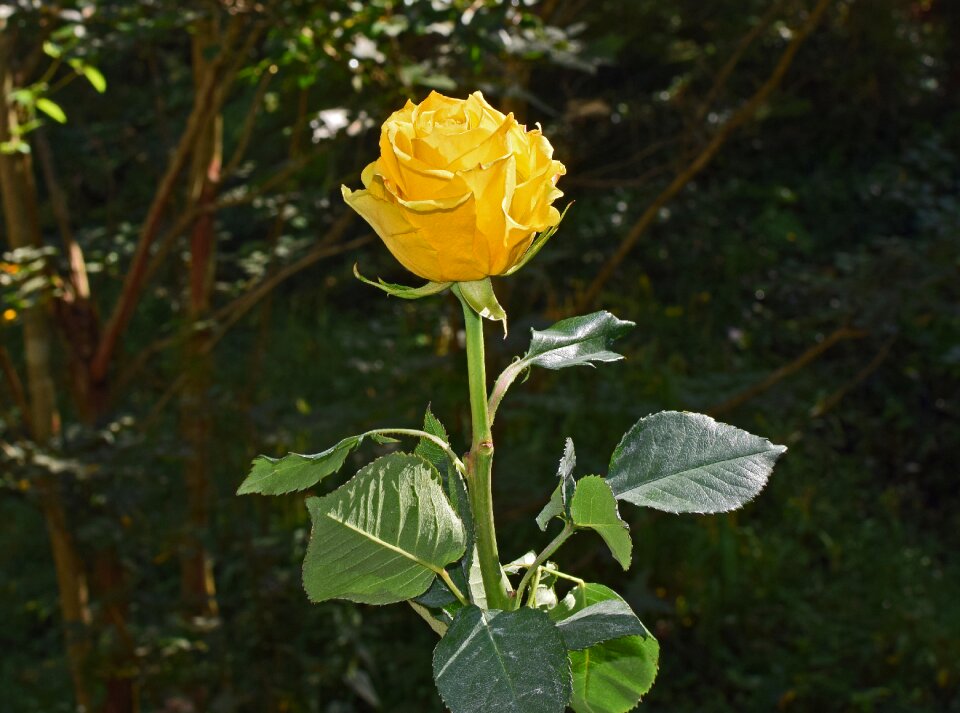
point(512, 661)
point(51, 109)
point(276, 476)
point(401, 291)
point(687, 462)
point(427, 449)
point(612, 675)
point(383, 536)
point(559, 503)
point(599, 622)
point(482, 300)
point(594, 507)
point(576, 341)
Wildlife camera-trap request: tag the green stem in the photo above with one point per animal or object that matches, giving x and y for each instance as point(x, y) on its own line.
point(480, 464)
point(564, 575)
point(503, 383)
point(541, 558)
point(457, 463)
point(534, 583)
point(454, 589)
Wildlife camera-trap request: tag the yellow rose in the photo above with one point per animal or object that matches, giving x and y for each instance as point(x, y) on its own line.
point(459, 190)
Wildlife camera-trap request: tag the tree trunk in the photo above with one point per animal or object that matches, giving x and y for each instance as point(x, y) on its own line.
point(20, 217)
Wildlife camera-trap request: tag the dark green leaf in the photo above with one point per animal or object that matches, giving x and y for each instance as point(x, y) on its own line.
point(509, 662)
point(439, 594)
point(457, 492)
point(275, 476)
point(429, 450)
point(595, 507)
point(559, 503)
point(565, 473)
point(576, 341)
point(435, 619)
point(687, 462)
point(383, 536)
point(611, 676)
point(553, 508)
point(602, 621)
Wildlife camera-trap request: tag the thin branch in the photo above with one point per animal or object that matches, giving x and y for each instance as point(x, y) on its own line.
point(726, 70)
point(454, 589)
point(417, 433)
point(79, 283)
point(231, 313)
point(814, 352)
point(547, 552)
point(631, 182)
point(837, 396)
point(740, 117)
point(610, 167)
point(249, 123)
point(133, 284)
point(14, 383)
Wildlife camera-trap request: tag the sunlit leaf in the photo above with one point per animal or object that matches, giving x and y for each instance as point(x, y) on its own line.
point(610, 676)
point(594, 506)
point(576, 341)
point(276, 476)
point(687, 462)
point(51, 109)
point(383, 536)
point(95, 77)
point(598, 622)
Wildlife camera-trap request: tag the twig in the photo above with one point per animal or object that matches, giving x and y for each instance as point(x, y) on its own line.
point(249, 123)
point(564, 535)
point(740, 117)
point(817, 350)
point(837, 396)
point(133, 284)
point(14, 384)
point(231, 313)
point(79, 283)
point(644, 153)
point(626, 182)
point(726, 70)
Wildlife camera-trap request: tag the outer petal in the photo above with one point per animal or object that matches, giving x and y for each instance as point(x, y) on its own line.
point(449, 228)
point(388, 221)
point(532, 199)
point(493, 187)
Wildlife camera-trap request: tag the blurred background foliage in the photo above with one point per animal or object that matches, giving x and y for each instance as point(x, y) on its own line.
point(768, 188)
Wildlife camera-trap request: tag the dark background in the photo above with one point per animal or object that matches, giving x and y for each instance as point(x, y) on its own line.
point(786, 175)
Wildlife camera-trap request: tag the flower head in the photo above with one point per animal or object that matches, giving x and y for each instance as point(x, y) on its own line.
point(460, 189)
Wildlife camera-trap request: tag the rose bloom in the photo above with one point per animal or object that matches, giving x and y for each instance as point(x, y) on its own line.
point(460, 190)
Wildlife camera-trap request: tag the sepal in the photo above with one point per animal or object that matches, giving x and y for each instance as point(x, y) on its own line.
point(402, 291)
